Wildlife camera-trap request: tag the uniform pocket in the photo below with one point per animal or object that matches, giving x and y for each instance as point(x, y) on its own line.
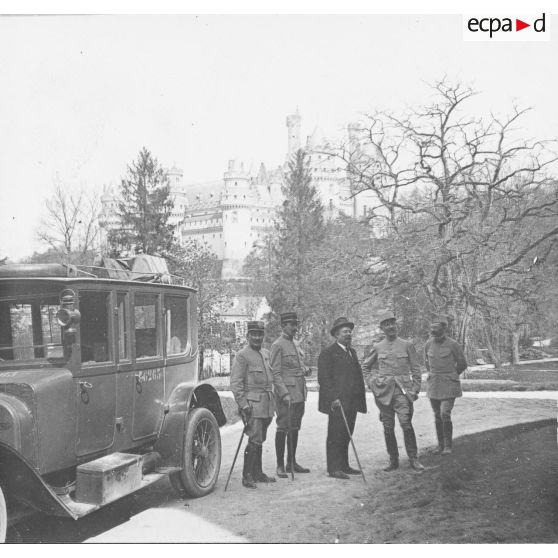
point(290, 382)
point(254, 397)
point(257, 377)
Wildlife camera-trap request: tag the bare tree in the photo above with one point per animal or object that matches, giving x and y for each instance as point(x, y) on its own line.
point(69, 226)
point(463, 204)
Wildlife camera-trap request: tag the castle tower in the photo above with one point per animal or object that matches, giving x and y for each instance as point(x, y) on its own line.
point(235, 204)
point(293, 125)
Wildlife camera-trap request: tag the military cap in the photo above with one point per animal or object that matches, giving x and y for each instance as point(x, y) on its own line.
point(287, 317)
point(339, 323)
point(440, 319)
point(255, 325)
point(385, 315)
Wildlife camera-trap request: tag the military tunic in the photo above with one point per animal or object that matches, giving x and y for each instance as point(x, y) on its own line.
point(253, 382)
point(398, 369)
point(444, 362)
point(286, 359)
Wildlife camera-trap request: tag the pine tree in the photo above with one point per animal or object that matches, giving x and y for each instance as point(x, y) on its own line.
point(300, 229)
point(144, 210)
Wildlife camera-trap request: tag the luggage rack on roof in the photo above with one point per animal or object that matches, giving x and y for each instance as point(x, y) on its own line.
point(143, 267)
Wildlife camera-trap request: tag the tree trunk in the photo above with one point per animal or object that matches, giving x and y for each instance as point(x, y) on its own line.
point(491, 353)
point(515, 347)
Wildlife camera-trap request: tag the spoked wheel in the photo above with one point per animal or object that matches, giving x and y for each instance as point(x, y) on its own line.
point(3, 517)
point(202, 455)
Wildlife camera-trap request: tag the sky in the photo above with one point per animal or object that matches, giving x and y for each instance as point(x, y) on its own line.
point(81, 95)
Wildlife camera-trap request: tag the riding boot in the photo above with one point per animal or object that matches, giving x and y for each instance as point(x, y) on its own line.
point(259, 475)
point(392, 449)
point(411, 448)
point(440, 435)
point(294, 442)
point(280, 453)
point(249, 465)
point(448, 437)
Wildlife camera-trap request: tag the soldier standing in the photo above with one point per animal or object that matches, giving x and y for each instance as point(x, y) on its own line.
point(252, 384)
point(286, 360)
point(395, 383)
point(444, 361)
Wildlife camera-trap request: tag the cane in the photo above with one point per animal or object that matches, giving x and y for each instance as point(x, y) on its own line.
point(235, 456)
point(352, 443)
point(290, 438)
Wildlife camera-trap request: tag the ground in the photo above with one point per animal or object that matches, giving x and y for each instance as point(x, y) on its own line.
point(500, 485)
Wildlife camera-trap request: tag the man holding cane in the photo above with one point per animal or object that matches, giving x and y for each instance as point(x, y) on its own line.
point(252, 384)
point(341, 386)
point(395, 382)
point(287, 361)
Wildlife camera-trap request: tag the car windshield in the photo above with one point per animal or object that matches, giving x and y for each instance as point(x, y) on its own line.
point(28, 325)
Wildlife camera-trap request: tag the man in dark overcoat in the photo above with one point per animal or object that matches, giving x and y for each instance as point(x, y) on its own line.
point(253, 383)
point(393, 374)
point(445, 361)
point(341, 385)
point(286, 359)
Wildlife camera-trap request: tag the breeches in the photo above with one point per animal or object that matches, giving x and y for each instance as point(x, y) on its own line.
point(256, 430)
point(400, 406)
point(442, 408)
point(297, 412)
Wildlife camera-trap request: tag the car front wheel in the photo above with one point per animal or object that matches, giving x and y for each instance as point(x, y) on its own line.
point(202, 455)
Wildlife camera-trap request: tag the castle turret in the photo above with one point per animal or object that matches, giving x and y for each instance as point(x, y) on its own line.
point(235, 203)
point(293, 124)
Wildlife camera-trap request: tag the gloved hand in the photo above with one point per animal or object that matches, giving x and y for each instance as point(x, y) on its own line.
point(414, 396)
point(246, 414)
point(286, 398)
point(335, 404)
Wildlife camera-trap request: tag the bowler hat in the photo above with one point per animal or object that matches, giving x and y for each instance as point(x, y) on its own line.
point(339, 323)
point(287, 317)
point(254, 326)
point(440, 319)
point(385, 315)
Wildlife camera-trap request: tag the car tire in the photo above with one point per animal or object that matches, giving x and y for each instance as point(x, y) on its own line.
point(3, 517)
point(201, 455)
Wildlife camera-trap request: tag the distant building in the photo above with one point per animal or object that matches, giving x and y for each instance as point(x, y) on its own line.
point(234, 214)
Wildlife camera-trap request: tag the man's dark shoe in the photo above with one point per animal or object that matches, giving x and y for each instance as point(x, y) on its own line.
point(393, 464)
point(248, 481)
point(262, 477)
point(416, 464)
point(281, 472)
point(339, 475)
point(351, 471)
point(297, 468)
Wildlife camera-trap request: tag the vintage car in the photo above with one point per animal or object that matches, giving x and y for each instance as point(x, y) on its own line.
point(99, 391)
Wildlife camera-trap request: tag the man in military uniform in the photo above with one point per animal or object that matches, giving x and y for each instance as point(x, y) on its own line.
point(393, 374)
point(444, 361)
point(286, 360)
point(341, 386)
point(252, 384)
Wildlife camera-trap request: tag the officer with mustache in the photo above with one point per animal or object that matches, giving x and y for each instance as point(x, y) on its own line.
point(393, 374)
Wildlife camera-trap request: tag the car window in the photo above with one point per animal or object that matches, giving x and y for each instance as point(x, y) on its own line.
point(176, 319)
point(122, 333)
point(146, 325)
point(27, 326)
point(94, 326)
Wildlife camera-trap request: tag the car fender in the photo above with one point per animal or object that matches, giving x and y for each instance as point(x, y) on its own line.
point(184, 398)
point(21, 483)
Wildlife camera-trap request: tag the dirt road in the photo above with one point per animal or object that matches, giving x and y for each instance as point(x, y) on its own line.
point(314, 508)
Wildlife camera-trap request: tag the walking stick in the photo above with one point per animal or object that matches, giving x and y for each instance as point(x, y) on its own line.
point(352, 443)
point(290, 437)
point(235, 456)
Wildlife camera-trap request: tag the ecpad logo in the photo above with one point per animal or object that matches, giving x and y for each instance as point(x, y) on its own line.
point(517, 28)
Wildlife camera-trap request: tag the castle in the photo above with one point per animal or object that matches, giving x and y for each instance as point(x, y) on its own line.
point(235, 214)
